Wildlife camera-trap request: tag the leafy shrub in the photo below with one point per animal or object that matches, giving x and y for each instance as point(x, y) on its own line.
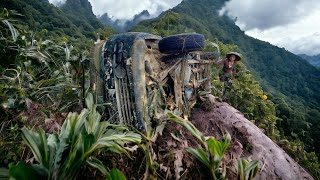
point(60, 156)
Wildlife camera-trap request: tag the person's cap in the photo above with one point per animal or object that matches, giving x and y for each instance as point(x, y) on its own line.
point(238, 55)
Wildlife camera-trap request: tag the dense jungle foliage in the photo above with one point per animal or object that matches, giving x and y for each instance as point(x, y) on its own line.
point(41, 70)
point(72, 19)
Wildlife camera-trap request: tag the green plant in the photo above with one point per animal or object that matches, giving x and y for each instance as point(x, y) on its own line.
point(247, 170)
point(213, 150)
point(212, 155)
point(60, 156)
point(147, 146)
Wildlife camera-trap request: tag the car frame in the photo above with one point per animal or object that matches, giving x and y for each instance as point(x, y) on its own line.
point(141, 75)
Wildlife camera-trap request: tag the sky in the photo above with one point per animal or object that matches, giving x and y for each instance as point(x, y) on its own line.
point(292, 24)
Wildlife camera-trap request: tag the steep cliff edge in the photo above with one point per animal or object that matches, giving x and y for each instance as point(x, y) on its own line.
point(248, 142)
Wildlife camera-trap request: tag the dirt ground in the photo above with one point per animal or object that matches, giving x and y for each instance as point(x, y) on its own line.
point(248, 142)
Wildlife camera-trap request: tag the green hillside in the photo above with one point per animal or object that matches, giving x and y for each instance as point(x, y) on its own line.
point(293, 84)
point(40, 15)
point(80, 13)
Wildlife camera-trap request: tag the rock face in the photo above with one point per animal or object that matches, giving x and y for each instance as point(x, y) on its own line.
point(122, 25)
point(248, 142)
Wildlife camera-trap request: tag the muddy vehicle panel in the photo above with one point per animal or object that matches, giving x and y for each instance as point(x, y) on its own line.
point(143, 74)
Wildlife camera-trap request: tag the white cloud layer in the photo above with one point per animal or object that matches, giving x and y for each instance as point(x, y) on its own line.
point(57, 1)
point(292, 24)
point(126, 9)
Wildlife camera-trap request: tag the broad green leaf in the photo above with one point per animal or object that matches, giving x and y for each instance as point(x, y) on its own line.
point(252, 169)
point(64, 139)
point(252, 165)
point(53, 143)
point(78, 123)
point(23, 171)
point(32, 140)
point(200, 155)
point(44, 149)
point(89, 101)
point(116, 174)
point(241, 167)
point(211, 144)
point(96, 163)
point(87, 141)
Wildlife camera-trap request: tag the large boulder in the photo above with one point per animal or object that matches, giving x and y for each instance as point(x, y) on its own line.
point(248, 142)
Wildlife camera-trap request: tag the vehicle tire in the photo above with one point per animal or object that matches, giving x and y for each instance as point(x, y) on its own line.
point(210, 55)
point(181, 43)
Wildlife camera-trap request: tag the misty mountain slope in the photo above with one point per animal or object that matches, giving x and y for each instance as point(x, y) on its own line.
point(313, 60)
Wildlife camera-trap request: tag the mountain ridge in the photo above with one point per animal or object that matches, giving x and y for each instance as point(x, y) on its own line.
point(124, 25)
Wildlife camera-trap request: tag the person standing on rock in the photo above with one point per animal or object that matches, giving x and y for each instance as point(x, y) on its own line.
point(228, 71)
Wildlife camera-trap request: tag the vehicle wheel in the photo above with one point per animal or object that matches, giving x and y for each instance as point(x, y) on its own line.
point(181, 43)
point(210, 55)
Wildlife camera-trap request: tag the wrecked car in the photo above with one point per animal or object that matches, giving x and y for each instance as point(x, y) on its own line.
point(142, 74)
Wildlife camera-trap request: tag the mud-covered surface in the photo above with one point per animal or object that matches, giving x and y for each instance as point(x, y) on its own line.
point(248, 142)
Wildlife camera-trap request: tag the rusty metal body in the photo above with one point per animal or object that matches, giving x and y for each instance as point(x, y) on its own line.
point(140, 82)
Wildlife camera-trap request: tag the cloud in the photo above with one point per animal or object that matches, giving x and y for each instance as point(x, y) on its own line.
point(126, 9)
point(305, 45)
point(301, 36)
point(57, 2)
point(265, 14)
point(292, 24)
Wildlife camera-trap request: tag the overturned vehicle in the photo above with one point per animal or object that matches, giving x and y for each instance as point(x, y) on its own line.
point(142, 74)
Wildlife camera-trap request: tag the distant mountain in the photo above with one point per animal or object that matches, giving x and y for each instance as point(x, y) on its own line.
point(124, 25)
point(80, 13)
point(313, 60)
point(106, 20)
point(292, 83)
point(75, 18)
point(79, 7)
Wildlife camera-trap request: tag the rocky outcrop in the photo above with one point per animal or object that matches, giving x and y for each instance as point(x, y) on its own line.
point(248, 142)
